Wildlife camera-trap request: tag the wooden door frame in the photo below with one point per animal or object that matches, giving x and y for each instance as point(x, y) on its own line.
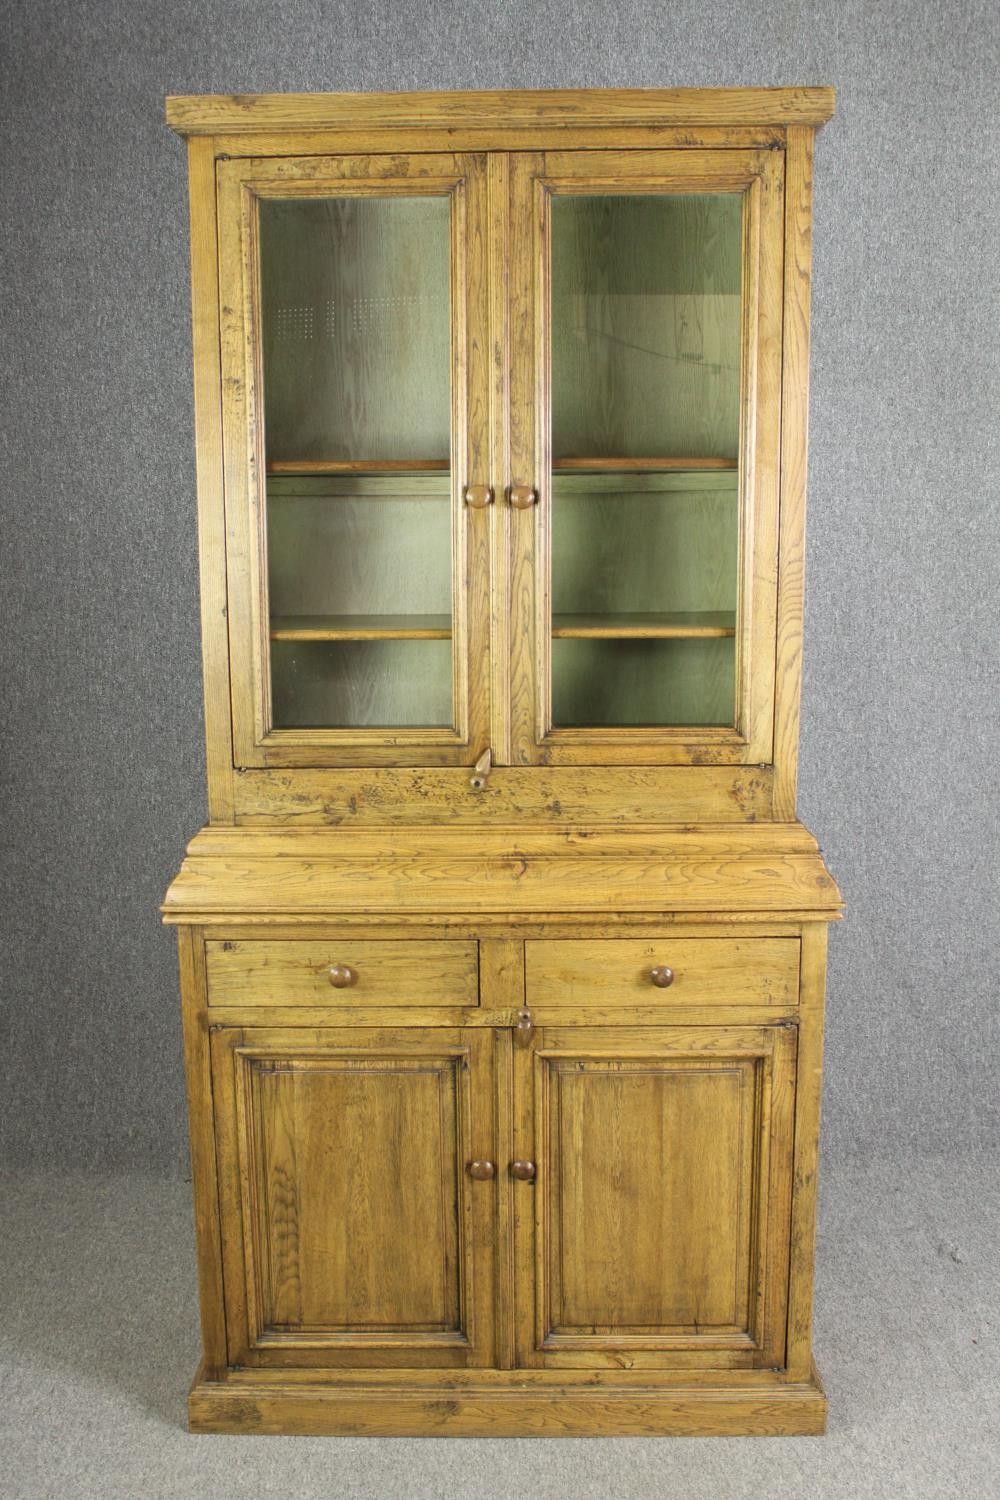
point(535, 177)
point(241, 184)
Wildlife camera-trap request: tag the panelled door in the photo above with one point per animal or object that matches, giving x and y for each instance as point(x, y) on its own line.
point(651, 1192)
point(502, 471)
point(345, 1155)
point(646, 309)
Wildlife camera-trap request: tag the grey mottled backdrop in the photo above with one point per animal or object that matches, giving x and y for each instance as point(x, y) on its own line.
point(102, 768)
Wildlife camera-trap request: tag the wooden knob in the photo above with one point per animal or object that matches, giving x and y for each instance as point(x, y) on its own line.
point(522, 496)
point(478, 496)
point(482, 1171)
point(524, 1171)
point(342, 975)
point(661, 976)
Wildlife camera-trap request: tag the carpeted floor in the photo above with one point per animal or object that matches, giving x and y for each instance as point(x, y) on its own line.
point(98, 1339)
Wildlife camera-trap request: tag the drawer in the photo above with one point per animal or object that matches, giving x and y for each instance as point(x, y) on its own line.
point(706, 971)
point(369, 973)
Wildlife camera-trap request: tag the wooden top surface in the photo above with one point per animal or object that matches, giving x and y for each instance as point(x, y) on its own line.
point(740, 868)
point(229, 114)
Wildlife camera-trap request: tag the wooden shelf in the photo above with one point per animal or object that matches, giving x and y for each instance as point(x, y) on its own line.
point(358, 465)
point(669, 625)
point(641, 465)
point(442, 465)
point(321, 466)
point(361, 628)
point(679, 625)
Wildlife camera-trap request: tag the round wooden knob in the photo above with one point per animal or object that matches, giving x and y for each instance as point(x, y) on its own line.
point(661, 976)
point(482, 1171)
point(522, 496)
point(478, 496)
point(342, 975)
point(524, 1171)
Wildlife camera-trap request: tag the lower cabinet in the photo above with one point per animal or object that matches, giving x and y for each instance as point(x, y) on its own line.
point(582, 1197)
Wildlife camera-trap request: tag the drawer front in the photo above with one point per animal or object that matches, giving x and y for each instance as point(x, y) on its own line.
point(702, 971)
point(342, 972)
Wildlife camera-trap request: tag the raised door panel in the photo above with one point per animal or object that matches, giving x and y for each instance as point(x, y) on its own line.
point(658, 1221)
point(354, 309)
point(646, 323)
point(343, 1157)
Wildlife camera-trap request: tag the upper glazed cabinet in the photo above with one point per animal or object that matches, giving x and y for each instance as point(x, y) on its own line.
point(502, 452)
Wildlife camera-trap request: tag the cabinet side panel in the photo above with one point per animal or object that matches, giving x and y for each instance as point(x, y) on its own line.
point(198, 1070)
point(794, 437)
point(211, 507)
point(809, 1083)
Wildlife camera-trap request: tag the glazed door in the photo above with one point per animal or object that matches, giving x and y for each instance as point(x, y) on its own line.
point(651, 1197)
point(646, 291)
point(354, 307)
point(355, 1234)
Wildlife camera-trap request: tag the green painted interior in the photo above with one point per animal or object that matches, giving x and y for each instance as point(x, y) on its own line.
point(356, 327)
point(646, 297)
point(391, 684)
point(646, 334)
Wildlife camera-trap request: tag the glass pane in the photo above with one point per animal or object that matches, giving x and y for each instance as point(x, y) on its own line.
point(356, 327)
point(646, 337)
point(364, 683)
point(356, 362)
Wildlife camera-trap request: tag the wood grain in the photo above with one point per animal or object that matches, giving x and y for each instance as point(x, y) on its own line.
point(357, 465)
point(613, 1114)
point(616, 971)
point(429, 973)
point(372, 1252)
point(498, 141)
point(462, 110)
point(653, 1271)
point(211, 489)
point(808, 1094)
point(722, 1410)
point(794, 462)
point(574, 690)
point(696, 872)
point(444, 710)
point(360, 628)
point(647, 1197)
point(764, 228)
point(537, 795)
point(201, 1134)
